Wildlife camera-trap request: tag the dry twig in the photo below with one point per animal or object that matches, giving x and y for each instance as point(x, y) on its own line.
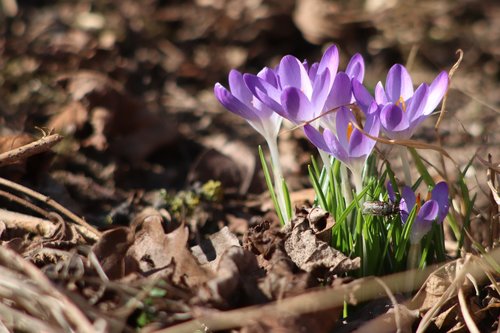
point(357, 291)
point(33, 148)
point(88, 231)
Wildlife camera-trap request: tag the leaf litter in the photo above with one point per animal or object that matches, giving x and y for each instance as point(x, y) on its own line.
point(127, 86)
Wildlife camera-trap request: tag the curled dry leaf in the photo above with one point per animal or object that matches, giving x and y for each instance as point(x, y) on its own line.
point(110, 250)
point(321, 222)
point(310, 253)
point(155, 253)
point(235, 280)
point(10, 142)
point(210, 251)
point(282, 279)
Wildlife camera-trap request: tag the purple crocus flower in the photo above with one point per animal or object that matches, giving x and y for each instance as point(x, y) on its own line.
point(240, 101)
point(433, 209)
point(302, 90)
point(348, 145)
point(401, 108)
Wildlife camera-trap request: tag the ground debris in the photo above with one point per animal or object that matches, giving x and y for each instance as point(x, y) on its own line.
point(310, 253)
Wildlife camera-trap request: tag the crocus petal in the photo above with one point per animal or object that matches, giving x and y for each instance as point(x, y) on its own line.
point(390, 192)
point(264, 91)
point(436, 92)
point(329, 61)
point(398, 83)
point(291, 73)
point(429, 211)
point(340, 94)
point(233, 104)
point(423, 221)
point(359, 145)
point(380, 95)
point(313, 70)
point(416, 104)
point(404, 210)
point(238, 87)
point(343, 118)
point(393, 120)
point(316, 138)
point(373, 110)
point(296, 106)
point(362, 96)
point(321, 88)
point(356, 68)
point(440, 194)
point(372, 124)
point(336, 149)
point(407, 202)
point(268, 75)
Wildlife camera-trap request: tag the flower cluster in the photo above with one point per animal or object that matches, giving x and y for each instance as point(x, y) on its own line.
point(336, 111)
point(435, 208)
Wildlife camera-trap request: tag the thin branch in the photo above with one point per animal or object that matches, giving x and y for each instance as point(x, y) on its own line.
point(92, 232)
point(26, 222)
point(33, 148)
point(25, 203)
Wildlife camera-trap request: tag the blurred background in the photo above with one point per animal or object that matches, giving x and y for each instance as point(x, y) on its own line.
point(130, 85)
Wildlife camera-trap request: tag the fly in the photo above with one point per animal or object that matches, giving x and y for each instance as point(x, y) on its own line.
point(380, 208)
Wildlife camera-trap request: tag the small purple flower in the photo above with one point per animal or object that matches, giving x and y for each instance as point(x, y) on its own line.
point(401, 108)
point(348, 145)
point(434, 209)
point(240, 101)
point(302, 90)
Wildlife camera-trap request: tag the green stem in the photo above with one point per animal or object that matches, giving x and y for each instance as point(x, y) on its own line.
point(346, 186)
point(403, 154)
point(357, 177)
point(278, 177)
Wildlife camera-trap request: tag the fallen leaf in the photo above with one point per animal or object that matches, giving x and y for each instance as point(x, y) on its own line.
point(110, 250)
point(153, 251)
point(210, 251)
point(70, 118)
point(230, 162)
point(310, 253)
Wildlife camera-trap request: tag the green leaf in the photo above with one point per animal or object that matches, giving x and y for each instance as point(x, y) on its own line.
point(270, 187)
point(317, 189)
point(421, 167)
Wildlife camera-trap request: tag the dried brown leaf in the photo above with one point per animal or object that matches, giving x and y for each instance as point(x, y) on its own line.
point(70, 118)
point(153, 251)
point(210, 251)
point(232, 163)
point(110, 250)
point(235, 280)
point(310, 253)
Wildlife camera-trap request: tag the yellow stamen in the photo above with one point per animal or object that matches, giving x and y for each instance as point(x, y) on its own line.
point(419, 203)
point(349, 131)
point(401, 102)
point(428, 197)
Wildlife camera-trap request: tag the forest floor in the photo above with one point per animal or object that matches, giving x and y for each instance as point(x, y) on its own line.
point(131, 200)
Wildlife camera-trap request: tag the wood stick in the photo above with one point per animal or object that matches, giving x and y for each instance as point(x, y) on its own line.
point(33, 148)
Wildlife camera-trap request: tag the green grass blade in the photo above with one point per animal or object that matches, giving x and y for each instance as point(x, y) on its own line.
point(317, 188)
point(288, 201)
point(270, 187)
point(421, 167)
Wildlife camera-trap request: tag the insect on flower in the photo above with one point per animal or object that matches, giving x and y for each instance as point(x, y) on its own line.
point(380, 208)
